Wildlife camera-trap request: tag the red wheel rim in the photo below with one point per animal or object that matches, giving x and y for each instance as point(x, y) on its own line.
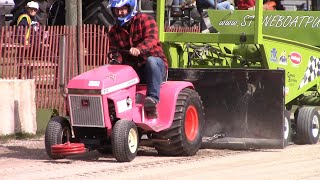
point(191, 123)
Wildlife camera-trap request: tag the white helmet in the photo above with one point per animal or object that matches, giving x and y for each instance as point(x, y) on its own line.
point(33, 4)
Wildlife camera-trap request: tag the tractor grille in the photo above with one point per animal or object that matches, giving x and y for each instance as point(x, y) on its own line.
point(86, 111)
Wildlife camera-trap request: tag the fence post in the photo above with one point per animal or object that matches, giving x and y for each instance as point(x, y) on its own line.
point(62, 61)
point(79, 39)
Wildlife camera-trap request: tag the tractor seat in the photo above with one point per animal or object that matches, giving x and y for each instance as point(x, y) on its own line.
point(165, 77)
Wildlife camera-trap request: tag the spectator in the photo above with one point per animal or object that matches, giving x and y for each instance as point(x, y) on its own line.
point(28, 20)
point(221, 5)
point(250, 5)
point(269, 5)
point(176, 11)
point(246, 4)
point(29, 25)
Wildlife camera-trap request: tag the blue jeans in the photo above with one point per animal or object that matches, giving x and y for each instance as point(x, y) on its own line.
point(177, 3)
point(222, 5)
point(152, 73)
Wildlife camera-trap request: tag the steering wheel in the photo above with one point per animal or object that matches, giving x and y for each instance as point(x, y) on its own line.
point(114, 54)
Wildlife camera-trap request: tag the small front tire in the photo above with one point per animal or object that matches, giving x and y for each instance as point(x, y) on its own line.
point(58, 131)
point(125, 140)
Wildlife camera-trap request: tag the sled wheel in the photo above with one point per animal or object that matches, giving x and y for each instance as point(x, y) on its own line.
point(287, 128)
point(307, 126)
point(124, 140)
point(185, 133)
point(58, 131)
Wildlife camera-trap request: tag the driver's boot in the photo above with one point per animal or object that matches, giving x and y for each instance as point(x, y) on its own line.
point(150, 107)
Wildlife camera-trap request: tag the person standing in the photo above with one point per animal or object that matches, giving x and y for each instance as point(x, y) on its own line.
point(29, 21)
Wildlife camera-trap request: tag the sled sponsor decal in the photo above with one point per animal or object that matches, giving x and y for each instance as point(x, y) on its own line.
point(273, 57)
point(312, 71)
point(85, 102)
point(295, 58)
point(111, 76)
point(292, 80)
point(120, 86)
point(275, 21)
point(124, 105)
point(94, 83)
point(283, 58)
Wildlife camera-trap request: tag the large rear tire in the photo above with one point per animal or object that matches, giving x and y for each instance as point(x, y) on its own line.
point(307, 126)
point(186, 131)
point(96, 12)
point(58, 131)
point(125, 140)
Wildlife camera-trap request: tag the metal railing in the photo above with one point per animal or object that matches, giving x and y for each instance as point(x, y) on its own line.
point(39, 58)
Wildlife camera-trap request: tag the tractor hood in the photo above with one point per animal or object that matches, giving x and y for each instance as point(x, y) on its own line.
point(108, 78)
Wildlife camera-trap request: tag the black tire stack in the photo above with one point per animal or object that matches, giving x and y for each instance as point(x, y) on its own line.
point(96, 12)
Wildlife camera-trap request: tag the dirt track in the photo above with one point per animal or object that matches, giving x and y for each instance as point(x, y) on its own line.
point(28, 160)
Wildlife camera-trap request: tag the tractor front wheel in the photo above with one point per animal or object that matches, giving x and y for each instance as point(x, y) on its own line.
point(185, 134)
point(125, 140)
point(58, 131)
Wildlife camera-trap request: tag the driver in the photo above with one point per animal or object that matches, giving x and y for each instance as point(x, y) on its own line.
point(138, 33)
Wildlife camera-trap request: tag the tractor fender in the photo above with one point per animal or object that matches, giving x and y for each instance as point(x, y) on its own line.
point(168, 97)
point(123, 102)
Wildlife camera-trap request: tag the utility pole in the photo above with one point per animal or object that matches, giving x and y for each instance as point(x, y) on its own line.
point(71, 12)
point(74, 18)
point(79, 39)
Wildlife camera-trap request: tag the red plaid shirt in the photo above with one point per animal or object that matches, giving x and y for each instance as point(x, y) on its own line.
point(143, 35)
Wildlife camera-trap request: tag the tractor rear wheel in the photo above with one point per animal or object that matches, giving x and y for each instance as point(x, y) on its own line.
point(307, 126)
point(186, 131)
point(58, 131)
point(125, 140)
point(287, 128)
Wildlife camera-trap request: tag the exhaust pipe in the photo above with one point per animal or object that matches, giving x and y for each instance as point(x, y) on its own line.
point(62, 60)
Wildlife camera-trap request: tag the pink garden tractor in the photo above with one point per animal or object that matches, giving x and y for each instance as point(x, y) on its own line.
point(105, 111)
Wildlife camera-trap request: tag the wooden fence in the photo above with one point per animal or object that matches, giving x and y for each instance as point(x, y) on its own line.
point(39, 58)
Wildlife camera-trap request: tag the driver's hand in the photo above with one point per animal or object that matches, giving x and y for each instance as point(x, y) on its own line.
point(134, 51)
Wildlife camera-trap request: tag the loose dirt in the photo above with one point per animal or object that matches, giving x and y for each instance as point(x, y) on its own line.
point(27, 159)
